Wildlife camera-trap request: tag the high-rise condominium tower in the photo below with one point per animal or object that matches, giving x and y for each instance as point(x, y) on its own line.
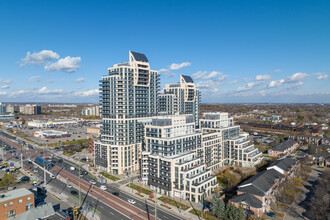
point(181, 97)
point(129, 97)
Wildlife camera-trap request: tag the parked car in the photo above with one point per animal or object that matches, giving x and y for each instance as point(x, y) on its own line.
point(52, 176)
point(69, 186)
point(24, 178)
point(74, 192)
point(72, 168)
point(35, 170)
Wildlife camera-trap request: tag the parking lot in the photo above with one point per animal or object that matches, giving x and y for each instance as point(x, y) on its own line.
point(77, 132)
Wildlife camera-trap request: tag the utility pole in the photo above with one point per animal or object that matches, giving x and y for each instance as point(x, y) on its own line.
point(180, 202)
point(79, 186)
point(156, 204)
point(132, 181)
point(22, 156)
point(43, 150)
point(155, 209)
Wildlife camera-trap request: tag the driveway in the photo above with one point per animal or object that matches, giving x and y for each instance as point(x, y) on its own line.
point(298, 207)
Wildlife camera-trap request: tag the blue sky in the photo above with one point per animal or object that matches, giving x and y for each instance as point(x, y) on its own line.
point(236, 51)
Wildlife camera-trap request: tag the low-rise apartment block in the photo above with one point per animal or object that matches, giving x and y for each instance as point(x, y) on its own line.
point(236, 149)
point(283, 149)
point(15, 202)
point(176, 165)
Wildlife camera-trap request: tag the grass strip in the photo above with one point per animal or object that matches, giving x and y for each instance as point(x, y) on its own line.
point(56, 197)
point(173, 203)
point(136, 187)
point(109, 176)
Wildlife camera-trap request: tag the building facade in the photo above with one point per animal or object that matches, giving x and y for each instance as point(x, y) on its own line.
point(3, 109)
point(182, 97)
point(129, 96)
point(173, 163)
point(95, 110)
point(235, 149)
point(15, 202)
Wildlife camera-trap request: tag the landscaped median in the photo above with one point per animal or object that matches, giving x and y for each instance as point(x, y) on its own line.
point(109, 176)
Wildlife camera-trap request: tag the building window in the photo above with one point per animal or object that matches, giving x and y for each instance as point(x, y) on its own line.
point(28, 206)
point(11, 203)
point(5, 205)
point(20, 201)
point(28, 198)
point(11, 213)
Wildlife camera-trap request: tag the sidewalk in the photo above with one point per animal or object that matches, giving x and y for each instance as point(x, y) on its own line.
point(173, 210)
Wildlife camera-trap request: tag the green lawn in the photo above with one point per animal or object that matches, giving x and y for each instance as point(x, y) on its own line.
point(174, 202)
point(207, 216)
point(109, 176)
point(136, 187)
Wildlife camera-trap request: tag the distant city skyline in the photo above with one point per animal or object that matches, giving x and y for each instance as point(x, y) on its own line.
point(236, 52)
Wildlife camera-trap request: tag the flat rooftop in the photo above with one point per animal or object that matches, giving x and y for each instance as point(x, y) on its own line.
point(13, 194)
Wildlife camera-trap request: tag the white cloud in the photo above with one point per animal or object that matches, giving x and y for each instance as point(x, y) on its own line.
point(204, 75)
point(5, 81)
point(276, 83)
point(67, 64)
point(22, 92)
point(295, 85)
point(87, 93)
point(5, 87)
point(297, 77)
point(166, 72)
point(277, 71)
point(175, 66)
point(38, 58)
point(45, 91)
point(320, 76)
point(3, 93)
point(79, 80)
point(207, 84)
point(163, 71)
point(233, 82)
point(249, 86)
point(34, 79)
point(50, 80)
point(263, 93)
point(262, 77)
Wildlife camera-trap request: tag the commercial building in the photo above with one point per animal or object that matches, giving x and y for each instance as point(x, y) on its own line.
point(15, 202)
point(51, 134)
point(175, 164)
point(129, 96)
point(95, 110)
point(182, 97)
point(40, 124)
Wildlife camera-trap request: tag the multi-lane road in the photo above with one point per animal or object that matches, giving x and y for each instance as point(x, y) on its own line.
point(61, 187)
point(111, 203)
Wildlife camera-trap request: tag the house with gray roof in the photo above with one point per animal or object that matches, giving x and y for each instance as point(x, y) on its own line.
point(283, 149)
point(256, 193)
